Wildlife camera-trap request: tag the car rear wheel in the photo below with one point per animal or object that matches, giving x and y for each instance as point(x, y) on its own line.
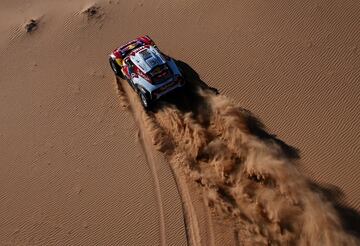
point(116, 68)
point(145, 99)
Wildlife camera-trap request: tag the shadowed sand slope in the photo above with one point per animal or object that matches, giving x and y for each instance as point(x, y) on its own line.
point(75, 169)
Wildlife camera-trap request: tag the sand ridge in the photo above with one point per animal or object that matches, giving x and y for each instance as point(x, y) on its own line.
point(166, 191)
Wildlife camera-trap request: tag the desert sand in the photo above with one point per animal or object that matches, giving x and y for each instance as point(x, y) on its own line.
point(272, 159)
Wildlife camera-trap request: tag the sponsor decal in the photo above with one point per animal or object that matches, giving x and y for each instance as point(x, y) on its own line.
point(119, 61)
point(131, 46)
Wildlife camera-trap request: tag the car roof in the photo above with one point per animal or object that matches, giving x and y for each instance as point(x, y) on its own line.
point(146, 58)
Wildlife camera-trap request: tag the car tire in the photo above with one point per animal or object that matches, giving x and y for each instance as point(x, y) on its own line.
point(145, 99)
point(116, 68)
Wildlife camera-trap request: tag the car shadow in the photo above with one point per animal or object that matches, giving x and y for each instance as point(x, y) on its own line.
point(350, 218)
point(189, 100)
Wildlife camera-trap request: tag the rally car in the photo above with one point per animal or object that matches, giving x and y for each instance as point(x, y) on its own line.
point(151, 73)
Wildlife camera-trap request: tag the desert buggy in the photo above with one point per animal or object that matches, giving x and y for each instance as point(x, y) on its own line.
point(149, 72)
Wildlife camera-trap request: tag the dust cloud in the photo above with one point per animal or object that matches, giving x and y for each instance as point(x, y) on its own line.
point(248, 175)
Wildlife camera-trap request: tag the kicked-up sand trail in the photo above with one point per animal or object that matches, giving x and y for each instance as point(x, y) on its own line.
point(248, 178)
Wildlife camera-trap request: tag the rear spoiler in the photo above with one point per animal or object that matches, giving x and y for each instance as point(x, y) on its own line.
point(134, 44)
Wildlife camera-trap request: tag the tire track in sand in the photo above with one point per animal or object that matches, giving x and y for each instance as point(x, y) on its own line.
point(197, 216)
point(172, 226)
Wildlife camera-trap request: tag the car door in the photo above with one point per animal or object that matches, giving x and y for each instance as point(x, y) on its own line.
point(129, 71)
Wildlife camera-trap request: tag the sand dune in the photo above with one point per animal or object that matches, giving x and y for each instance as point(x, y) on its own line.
point(78, 169)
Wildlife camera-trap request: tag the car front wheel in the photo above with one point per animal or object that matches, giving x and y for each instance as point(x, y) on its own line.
point(116, 68)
